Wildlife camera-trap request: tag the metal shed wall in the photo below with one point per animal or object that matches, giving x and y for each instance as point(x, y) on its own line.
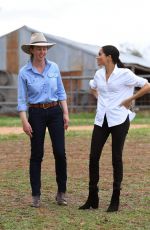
point(3, 48)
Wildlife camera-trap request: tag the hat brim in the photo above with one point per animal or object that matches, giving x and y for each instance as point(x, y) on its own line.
point(26, 47)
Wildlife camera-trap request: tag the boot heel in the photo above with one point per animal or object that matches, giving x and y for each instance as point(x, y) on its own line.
point(92, 202)
point(115, 201)
point(95, 203)
point(87, 205)
point(93, 199)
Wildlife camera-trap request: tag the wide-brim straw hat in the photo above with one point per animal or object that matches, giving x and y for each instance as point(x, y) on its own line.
point(37, 39)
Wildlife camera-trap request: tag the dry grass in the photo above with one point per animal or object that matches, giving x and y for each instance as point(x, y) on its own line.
point(15, 197)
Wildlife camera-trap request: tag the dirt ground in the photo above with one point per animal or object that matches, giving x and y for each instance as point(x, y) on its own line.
point(16, 155)
point(15, 193)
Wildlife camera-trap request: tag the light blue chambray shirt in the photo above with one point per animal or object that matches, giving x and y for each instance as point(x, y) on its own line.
point(35, 87)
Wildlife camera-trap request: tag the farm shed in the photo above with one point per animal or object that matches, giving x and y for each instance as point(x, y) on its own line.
point(76, 61)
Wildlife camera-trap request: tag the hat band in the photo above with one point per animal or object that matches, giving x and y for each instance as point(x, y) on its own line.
point(39, 42)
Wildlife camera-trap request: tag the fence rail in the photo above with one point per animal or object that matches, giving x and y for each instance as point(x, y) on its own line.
point(79, 95)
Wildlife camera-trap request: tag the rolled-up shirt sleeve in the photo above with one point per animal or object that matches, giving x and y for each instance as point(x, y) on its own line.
point(22, 94)
point(60, 87)
point(134, 80)
point(93, 83)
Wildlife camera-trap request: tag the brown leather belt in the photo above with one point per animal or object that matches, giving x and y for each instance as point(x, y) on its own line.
point(45, 105)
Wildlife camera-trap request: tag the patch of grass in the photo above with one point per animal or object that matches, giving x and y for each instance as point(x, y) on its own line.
point(141, 121)
point(82, 119)
point(9, 121)
point(88, 118)
point(17, 214)
point(143, 133)
point(83, 133)
point(76, 119)
point(8, 137)
point(133, 133)
point(15, 197)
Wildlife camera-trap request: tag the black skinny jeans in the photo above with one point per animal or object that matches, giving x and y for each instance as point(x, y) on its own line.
point(39, 120)
point(99, 137)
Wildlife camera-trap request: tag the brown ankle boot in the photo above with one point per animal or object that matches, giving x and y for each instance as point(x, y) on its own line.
point(35, 201)
point(61, 199)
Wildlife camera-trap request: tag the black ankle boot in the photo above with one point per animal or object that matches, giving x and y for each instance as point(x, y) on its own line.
point(115, 200)
point(92, 201)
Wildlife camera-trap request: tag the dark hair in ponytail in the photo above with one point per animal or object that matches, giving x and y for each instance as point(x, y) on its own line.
point(120, 64)
point(114, 52)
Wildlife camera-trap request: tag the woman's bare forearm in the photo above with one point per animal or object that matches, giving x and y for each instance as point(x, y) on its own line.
point(64, 106)
point(25, 124)
point(145, 89)
point(94, 92)
point(23, 116)
point(65, 113)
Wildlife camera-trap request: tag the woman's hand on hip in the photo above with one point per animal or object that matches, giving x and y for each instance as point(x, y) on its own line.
point(66, 121)
point(127, 103)
point(27, 128)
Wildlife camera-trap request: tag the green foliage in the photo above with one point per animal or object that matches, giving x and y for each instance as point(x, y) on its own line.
point(76, 119)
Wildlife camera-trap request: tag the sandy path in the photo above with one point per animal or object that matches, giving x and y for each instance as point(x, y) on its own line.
point(18, 130)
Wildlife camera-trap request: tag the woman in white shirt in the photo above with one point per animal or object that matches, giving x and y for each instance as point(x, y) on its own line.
point(114, 85)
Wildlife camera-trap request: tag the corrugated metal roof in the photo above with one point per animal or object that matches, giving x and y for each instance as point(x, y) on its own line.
point(131, 59)
point(126, 58)
point(93, 50)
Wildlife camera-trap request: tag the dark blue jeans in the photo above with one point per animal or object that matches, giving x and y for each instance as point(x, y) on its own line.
point(53, 119)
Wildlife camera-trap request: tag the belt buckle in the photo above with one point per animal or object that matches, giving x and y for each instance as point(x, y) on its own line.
point(43, 105)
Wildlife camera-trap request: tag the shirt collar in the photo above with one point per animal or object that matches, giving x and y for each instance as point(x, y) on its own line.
point(114, 71)
point(30, 66)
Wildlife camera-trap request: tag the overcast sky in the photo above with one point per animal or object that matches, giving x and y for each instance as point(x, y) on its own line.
point(96, 22)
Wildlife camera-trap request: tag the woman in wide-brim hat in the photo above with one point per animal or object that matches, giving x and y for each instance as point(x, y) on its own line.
point(37, 39)
point(42, 94)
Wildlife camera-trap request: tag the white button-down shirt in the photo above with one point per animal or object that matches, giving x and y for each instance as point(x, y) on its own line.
point(111, 93)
